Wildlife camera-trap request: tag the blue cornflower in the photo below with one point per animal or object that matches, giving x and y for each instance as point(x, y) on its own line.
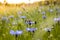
point(43, 12)
point(30, 22)
point(56, 19)
point(44, 17)
point(12, 32)
point(19, 32)
point(16, 33)
point(23, 17)
point(31, 29)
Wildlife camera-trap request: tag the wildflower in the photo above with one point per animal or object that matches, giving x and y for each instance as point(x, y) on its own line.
point(56, 19)
point(19, 32)
point(16, 33)
point(43, 12)
point(29, 22)
point(31, 29)
point(23, 17)
point(44, 17)
point(50, 10)
point(12, 32)
point(47, 29)
point(14, 23)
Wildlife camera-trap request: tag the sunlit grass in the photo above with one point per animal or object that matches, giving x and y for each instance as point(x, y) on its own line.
point(31, 13)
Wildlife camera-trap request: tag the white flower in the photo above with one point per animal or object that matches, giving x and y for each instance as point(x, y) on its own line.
point(47, 29)
point(14, 23)
point(50, 10)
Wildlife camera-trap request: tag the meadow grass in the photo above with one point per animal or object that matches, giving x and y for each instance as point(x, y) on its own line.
point(31, 12)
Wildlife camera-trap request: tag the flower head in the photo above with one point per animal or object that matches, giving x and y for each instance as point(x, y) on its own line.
point(47, 29)
point(56, 19)
point(19, 32)
point(31, 29)
point(12, 32)
point(23, 17)
point(50, 10)
point(16, 33)
point(43, 12)
point(14, 23)
point(44, 17)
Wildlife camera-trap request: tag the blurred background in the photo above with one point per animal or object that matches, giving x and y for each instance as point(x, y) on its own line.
point(29, 19)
